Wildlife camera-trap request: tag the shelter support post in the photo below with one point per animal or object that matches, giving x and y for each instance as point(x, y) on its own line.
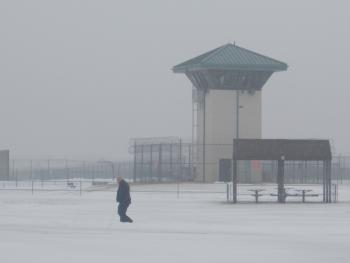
point(280, 181)
point(171, 162)
point(324, 181)
point(234, 171)
point(204, 139)
point(150, 176)
point(327, 181)
point(234, 181)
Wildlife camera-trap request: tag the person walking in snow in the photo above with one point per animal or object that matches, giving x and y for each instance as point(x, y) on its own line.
point(124, 199)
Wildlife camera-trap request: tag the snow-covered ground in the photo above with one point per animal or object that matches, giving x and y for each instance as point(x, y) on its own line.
point(194, 227)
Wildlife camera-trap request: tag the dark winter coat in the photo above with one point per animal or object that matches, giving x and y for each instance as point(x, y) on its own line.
point(123, 193)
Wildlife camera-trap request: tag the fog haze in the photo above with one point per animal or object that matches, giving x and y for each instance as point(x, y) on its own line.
point(78, 79)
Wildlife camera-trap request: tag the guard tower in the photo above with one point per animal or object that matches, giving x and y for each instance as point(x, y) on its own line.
point(227, 84)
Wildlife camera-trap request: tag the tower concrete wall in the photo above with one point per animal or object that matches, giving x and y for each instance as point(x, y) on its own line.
point(220, 127)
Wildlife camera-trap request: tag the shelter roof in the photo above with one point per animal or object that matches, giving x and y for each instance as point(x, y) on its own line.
point(277, 149)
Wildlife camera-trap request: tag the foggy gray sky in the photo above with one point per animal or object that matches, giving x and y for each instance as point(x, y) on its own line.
point(78, 79)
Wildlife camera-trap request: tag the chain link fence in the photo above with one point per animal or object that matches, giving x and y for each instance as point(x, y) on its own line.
point(67, 170)
point(171, 163)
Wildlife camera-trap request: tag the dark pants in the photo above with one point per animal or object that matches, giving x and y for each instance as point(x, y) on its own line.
point(122, 207)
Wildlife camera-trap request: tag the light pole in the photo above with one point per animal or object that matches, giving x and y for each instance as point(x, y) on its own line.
point(235, 161)
point(237, 114)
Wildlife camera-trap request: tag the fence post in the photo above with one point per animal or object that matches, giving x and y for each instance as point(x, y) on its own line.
point(113, 174)
point(160, 160)
point(134, 167)
point(142, 174)
point(67, 172)
point(13, 168)
point(94, 168)
point(180, 160)
point(179, 173)
point(335, 193)
point(228, 192)
point(150, 176)
point(85, 174)
point(31, 170)
point(32, 187)
point(177, 189)
point(171, 162)
point(48, 170)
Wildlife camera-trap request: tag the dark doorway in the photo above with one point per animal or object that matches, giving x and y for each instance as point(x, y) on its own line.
point(225, 170)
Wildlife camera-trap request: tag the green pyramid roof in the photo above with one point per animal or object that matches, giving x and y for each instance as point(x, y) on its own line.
point(231, 57)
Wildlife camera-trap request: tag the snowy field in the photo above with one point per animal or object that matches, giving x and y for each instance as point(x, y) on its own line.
point(62, 226)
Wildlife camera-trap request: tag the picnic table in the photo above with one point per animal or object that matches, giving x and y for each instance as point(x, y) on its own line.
point(285, 193)
point(257, 193)
point(305, 192)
